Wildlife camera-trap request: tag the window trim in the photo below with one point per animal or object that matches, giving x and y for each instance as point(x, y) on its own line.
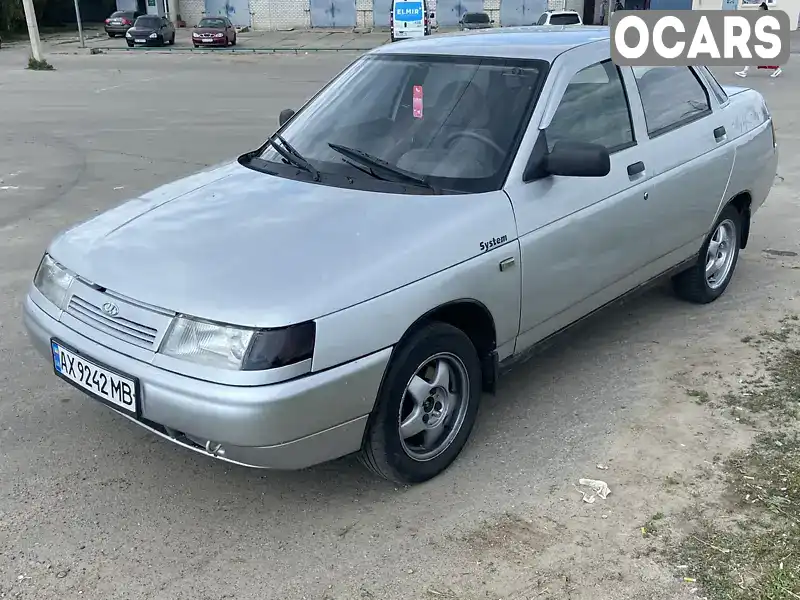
point(618, 147)
point(683, 122)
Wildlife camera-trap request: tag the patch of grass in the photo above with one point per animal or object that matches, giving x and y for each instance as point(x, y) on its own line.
point(757, 555)
point(651, 526)
point(758, 558)
point(39, 65)
point(700, 396)
point(779, 394)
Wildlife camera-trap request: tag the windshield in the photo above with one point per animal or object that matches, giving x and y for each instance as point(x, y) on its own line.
point(455, 121)
point(147, 22)
point(564, 19)
point(476, 18)
point(215, 23)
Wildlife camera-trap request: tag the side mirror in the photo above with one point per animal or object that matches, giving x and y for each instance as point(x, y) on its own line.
point(286, 114)
point(577, 159)
point(492, 21)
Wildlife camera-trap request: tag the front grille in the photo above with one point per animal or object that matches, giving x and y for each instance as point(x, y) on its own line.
point(118, 327)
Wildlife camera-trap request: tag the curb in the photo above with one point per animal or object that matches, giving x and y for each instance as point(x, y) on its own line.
point(102, 50)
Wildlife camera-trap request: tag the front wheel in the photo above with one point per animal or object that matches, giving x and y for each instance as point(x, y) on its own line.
point(130, 44)
point(426, 406)
point(172, 40)
point(111, 35)
point(233, 42)
point(707, 279)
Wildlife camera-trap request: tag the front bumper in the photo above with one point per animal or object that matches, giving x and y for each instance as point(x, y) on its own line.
point(214, 43)
point(147, 42)
point(289, 425)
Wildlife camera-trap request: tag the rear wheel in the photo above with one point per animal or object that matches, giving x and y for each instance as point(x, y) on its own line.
point(706, 280)
point(426, 406)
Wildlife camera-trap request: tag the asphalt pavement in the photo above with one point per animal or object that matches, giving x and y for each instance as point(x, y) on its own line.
point(93, 507)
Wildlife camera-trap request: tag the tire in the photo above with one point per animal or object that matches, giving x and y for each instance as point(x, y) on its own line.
point(384, 450)
point(111, 35)
point(233, 42)
point(695, 284)
point(172, 40)
point(130, 44)
point(195, 45)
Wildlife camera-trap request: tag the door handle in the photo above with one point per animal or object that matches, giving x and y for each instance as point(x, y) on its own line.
point(719, 133)
point(635, 168)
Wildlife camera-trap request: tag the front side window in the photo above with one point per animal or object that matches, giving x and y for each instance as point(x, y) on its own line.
point(542, 20)
point(671, 97)
point(455, 121)
point(594, 109)
point(564, 19)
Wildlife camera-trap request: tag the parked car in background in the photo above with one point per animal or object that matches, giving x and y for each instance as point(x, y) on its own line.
point(560, 17)
point(151, 30)
point(559, 181)
point(120, 22)
point(475, 20)
point(214, 31)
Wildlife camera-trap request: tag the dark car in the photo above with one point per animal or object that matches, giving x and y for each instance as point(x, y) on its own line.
point(120, 21)
point(151, 30)
point(214, 31)
point(475, 20)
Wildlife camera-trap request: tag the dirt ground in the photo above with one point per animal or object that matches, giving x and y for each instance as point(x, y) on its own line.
point(91, 507)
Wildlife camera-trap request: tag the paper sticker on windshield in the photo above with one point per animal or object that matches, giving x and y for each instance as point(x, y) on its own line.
point(416, 102)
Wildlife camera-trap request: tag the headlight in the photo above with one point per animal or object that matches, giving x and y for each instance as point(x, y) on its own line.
point(237, 348)
point(217, 35)
point(153, 36)
point(128, 34)
point(53, 281)
point(195, 34)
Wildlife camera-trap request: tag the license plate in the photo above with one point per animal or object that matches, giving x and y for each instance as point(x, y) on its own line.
point(140, 41)
point(112, 388)
point(208, 40)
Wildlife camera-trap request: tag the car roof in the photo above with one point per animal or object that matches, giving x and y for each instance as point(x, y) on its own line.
point(531, 42)
point(562, 11)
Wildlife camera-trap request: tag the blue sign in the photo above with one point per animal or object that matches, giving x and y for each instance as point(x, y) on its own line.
point(408, 11)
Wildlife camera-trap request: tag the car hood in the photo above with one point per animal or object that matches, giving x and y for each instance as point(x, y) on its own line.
point(238, 246)
point(208, 30)
point(141, 30)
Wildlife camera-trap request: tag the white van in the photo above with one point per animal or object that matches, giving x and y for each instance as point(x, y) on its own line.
point(409, 19)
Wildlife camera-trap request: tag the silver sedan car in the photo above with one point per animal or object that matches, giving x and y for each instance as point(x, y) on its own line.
point(431, 215)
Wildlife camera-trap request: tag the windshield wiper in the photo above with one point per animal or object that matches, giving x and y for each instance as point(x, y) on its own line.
point(292, 156)
point(377, 163)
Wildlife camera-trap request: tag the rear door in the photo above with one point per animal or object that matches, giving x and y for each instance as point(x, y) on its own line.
point(689, 156)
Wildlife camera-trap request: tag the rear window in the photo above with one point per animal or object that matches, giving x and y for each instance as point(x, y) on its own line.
point(476, 18)
point(564, 20)
point(148, 22)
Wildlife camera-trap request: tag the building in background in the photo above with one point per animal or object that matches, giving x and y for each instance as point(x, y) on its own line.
point(349, 14)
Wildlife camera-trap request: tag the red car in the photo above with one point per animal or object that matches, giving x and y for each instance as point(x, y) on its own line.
point(214, 31)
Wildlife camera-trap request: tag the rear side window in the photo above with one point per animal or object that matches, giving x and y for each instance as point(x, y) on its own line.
point(671, 97)
point(564, 20)
point(594, 109)
point(716, 88)
point(542, 20)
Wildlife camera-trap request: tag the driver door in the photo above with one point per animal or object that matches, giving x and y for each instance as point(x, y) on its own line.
point(582, 239)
